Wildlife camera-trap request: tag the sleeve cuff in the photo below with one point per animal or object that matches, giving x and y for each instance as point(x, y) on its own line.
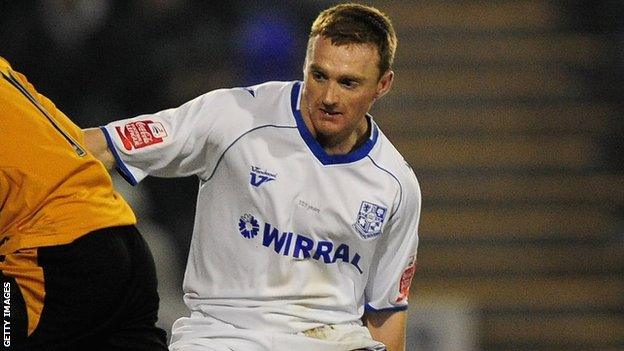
point(369, 308)
point(121, 167)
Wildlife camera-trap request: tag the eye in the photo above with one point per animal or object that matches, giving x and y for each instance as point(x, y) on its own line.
point(318, 76)
point(349, 83)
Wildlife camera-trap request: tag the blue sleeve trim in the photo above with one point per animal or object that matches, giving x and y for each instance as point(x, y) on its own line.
point(369, 308)
point(121, 167)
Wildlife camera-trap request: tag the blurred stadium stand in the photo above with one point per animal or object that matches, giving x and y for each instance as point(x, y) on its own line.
point(509, 111)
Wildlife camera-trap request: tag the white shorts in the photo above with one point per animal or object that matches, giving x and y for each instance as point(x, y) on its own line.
point(206, 334)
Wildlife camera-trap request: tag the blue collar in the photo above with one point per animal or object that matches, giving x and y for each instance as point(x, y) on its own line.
point(314, 145)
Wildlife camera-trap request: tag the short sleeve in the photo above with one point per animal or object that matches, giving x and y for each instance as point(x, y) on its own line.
point(395, 257)
point(176, 142)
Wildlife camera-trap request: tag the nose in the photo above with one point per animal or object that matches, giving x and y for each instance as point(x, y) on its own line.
point(330, 96)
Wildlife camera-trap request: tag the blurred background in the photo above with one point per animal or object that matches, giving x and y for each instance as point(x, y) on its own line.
point(509, 111)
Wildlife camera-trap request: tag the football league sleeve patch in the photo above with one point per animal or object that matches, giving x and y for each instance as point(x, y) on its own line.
point(140, 134)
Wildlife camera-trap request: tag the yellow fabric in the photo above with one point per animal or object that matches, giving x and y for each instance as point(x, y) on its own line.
point(23, 266)
point(51, 190)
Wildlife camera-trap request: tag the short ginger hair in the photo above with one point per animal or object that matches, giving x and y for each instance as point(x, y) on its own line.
point(358, 24)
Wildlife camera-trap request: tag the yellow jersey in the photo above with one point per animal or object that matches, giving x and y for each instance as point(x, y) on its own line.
point(52, 190)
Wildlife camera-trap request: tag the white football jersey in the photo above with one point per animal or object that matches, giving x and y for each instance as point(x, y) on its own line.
point(286, 237)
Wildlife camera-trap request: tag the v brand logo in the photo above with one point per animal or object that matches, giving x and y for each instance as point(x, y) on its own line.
point(260, 176)
point(257, 179)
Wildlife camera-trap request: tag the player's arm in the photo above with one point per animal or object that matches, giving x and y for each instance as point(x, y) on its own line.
point(387, 327)
point(95, 142)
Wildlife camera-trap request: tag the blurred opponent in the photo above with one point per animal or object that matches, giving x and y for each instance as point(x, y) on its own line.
point(75, 272)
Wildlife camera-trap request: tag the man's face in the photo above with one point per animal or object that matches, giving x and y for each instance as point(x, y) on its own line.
point(341, 83)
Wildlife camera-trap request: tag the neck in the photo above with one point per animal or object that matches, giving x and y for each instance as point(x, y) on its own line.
point(342, 145)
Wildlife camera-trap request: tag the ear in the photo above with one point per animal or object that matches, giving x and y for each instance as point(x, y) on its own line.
point(384, 84)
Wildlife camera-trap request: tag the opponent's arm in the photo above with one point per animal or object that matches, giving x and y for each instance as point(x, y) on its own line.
point(387, 327)
point(95, 141)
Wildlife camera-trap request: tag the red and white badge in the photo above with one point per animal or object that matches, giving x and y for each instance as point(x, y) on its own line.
point(406, 280)
point(139, 134)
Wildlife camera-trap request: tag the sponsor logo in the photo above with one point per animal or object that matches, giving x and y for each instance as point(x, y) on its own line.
point(248, 226)
point(139, 134)
point(369, 220)
point(260, 176)
point(406, 280)
point(299, 246)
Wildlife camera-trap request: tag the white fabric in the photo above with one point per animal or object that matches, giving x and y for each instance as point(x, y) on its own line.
point(286, 237)
point(203, 333)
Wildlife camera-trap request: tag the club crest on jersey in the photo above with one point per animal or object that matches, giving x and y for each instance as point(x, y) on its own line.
point(260, 176)
point(139, 134)
point(370, 220)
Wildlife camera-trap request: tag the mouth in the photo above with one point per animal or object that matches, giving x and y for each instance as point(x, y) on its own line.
point(329, 113)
